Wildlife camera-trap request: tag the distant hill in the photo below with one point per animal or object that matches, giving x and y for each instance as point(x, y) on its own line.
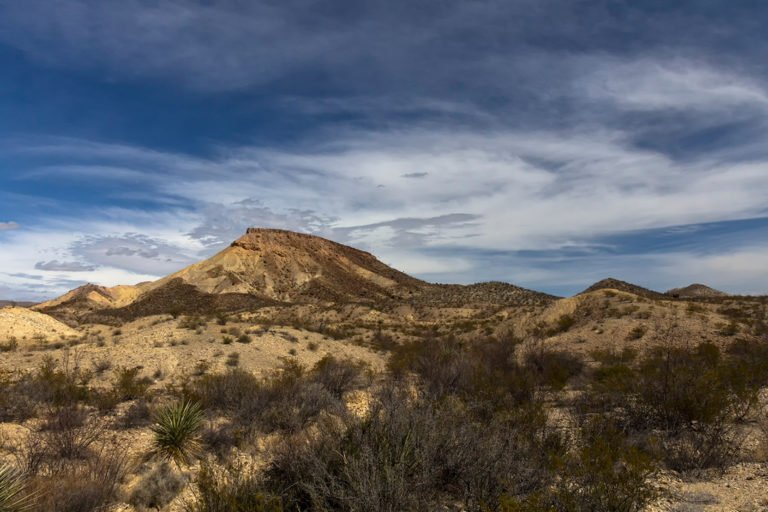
point(617, 284)
point(16, 303)
point(695, 290)
point(272, 267)
point(493, 292)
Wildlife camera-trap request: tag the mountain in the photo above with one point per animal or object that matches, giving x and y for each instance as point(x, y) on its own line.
point(616, 284)
point(694, 291)
point(15, 303)
point(294, 267)
point(276, 267)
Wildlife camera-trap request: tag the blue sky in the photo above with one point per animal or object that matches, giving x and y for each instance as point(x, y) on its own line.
point(548, 143)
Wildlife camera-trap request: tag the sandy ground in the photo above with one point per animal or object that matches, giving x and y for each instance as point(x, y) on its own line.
point(742, 488)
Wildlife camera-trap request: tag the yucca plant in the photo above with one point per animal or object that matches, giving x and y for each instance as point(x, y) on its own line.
point(176, 431)
point(13, 490)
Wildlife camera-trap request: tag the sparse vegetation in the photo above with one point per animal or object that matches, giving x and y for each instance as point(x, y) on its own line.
point(426, 403)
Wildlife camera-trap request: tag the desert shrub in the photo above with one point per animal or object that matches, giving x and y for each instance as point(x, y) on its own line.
point(313, 346)
point(231, 489)
point(553, 368)
point(176, 428)
point(14, 495)
point(137, 414)
point(201, 368)
point(10, 345)
point(288, 399)
point(244, 338)
point(68, 433)
point(81, 486)
point(679, 387)
point(233, 359)
point(604, 471)
point(157, 488)
point(57, 385)
point(338, 376)
point(611, 356)
point(562, 324)
point(15, 402)
point(689, 397)
point(636, 333)
point(412, 455)
point(483, 372)
point(762, 424)
point(440, 363)
point(220, 439)
point(128, 385)
point(104, 400)
point(750, 359)
point(729, 329)
point(226, 391)
point(192, 322)
point(101, 365)
point(382, 340)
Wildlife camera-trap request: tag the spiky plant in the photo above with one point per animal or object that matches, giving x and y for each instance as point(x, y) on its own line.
point(13, 495)
point(176, 431)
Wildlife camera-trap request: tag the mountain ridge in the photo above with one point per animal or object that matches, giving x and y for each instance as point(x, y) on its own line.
point(274, 266)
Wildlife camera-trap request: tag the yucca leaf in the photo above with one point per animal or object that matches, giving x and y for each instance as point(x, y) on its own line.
point(13, 490)
point(176, 431)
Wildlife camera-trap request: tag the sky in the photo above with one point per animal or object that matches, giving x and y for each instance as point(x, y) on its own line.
point(546, 143)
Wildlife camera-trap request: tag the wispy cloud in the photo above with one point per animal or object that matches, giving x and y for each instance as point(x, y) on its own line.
point(63, 266)
point(502, 190)
point(519, 147)
point(7, 226)
point(650, 84)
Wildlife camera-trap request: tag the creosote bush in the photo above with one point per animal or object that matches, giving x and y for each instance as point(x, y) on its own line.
point(484, 372)
point(157, 488)
point(288, 399)
point(231, 488)
point(604, 472)
point(413, 455)
point(690, 398)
